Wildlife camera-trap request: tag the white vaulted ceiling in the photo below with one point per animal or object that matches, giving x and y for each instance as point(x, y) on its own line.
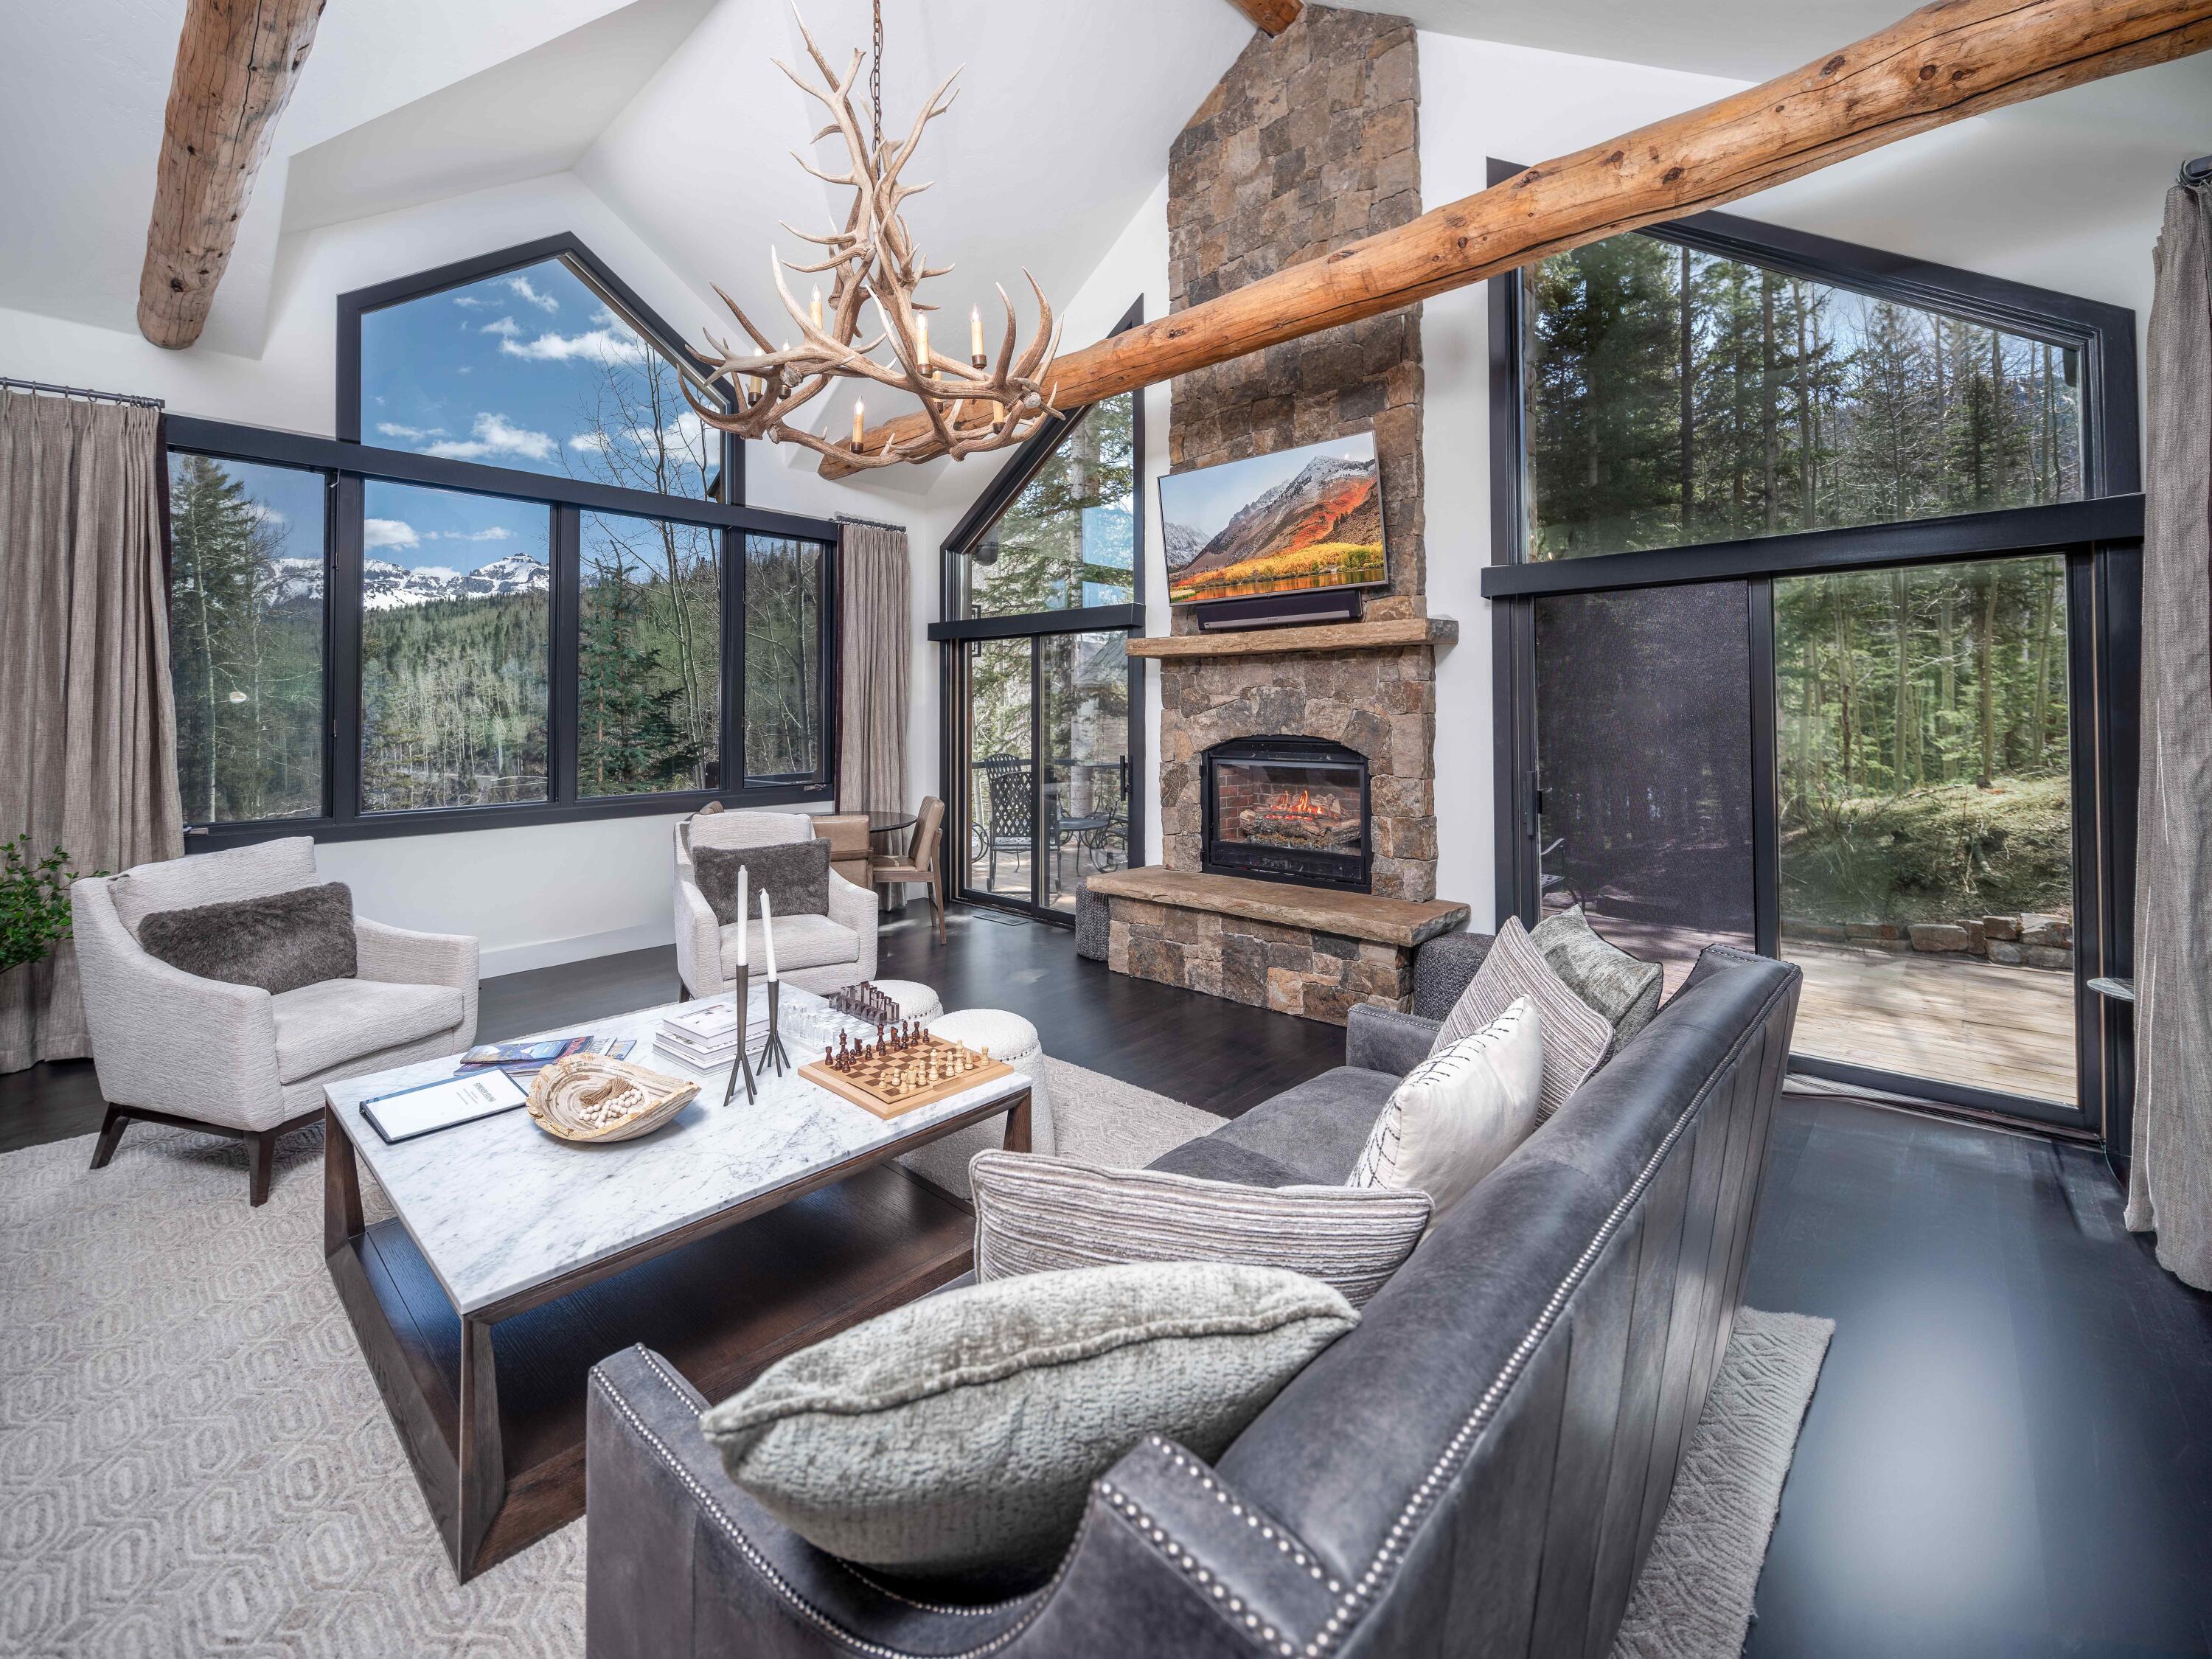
point(669, 110)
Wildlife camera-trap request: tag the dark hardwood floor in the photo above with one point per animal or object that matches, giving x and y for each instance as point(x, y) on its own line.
point(2010, 1451)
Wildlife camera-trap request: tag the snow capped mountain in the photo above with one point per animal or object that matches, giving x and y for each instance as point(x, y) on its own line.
point(293, 579)
point(388, 587)
point(1183, 545)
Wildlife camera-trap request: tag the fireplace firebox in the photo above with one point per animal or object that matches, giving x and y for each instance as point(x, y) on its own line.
point(1287, 809)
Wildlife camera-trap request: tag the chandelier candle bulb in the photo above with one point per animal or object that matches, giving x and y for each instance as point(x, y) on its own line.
point(860, 423)
point(922, 345)
point(976, 335)
point(814, 307)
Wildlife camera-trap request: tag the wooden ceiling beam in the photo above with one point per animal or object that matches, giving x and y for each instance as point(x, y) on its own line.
point(1270, 16)
point(1943, 63)
point(237, 62)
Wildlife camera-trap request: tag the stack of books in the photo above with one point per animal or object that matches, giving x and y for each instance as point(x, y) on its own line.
point(704, 1034)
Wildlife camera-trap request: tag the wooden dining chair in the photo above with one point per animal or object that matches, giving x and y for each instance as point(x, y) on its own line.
point(923, 861)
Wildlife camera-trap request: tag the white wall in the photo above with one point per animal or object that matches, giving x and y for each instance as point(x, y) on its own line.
point(533, 895)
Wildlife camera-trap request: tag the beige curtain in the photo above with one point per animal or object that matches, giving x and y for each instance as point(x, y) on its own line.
point(873, 615)
point(2170, 1167)
point(87, 732)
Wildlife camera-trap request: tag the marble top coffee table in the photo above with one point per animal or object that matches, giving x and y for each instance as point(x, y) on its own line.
point(728, 1238)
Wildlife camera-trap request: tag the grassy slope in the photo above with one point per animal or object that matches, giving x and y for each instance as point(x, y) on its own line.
point(1936, 855)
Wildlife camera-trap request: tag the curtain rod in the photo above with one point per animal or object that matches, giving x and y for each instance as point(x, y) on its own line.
point(871, 524)
point(2198, 172)
point(9, 381)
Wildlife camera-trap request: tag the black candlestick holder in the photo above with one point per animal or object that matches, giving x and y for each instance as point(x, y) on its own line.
point(745, 1065)
point(772, 1055)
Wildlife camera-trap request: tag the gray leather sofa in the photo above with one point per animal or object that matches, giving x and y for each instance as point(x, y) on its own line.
point(1478, 1469)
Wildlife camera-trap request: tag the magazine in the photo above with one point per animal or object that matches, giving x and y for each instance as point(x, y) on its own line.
point(527, 1059)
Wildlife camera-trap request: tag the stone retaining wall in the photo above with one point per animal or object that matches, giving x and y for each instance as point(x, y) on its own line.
point(2028, 940)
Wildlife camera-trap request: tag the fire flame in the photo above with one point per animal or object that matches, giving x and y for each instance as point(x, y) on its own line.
point(1303, 804)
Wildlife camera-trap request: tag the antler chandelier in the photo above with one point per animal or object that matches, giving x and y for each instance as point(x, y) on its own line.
point(873, 264)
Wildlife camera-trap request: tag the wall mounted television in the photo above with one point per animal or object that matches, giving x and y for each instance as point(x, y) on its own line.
point(1297, 520)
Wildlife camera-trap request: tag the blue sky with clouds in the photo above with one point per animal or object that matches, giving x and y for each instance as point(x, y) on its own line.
point(508, 372)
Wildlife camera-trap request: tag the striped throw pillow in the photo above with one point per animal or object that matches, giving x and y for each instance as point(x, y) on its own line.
point(1036, 1214)
point(1575, 1036)
point(1459, 1112)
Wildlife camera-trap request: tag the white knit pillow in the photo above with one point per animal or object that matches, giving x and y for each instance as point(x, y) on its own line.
point(1460, 1112)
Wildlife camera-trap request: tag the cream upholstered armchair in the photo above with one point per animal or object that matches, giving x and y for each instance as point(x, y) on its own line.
point(816, 953)
point(172, 1047)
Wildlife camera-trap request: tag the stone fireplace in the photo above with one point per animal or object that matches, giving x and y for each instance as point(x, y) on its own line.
point(1288, 809)
point(1297, 766)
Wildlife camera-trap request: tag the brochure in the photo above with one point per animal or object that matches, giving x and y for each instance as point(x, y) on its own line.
point(429, 1107)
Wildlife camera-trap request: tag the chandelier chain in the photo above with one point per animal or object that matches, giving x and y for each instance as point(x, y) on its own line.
point(875, 78)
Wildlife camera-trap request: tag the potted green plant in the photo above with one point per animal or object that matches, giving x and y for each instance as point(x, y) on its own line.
point(35, 903)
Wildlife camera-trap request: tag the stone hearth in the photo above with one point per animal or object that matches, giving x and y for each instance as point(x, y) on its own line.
point(1296, 950)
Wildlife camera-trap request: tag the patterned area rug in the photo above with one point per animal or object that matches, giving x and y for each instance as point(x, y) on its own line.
point(1694, 1601)
point(193, 1457)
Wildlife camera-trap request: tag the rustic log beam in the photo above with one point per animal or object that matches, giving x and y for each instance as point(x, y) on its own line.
point(1270, 16)
point(237, 62)
point(1945, 62)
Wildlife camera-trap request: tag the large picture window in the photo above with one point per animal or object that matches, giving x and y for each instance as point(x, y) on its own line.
point(1672, 396)
point(455, 638)
point(784, 688)
point(649, 657)
point(1864, 531)
point(248, 575)
point(1067, 539)
point(516, 589)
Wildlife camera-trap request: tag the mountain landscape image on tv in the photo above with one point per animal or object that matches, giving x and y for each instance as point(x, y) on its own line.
point(1296, 520)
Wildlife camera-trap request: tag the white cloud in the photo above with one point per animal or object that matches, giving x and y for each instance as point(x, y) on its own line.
point(519, 287)
point(598, 345)
point(506, 327)
point(262, 513)
point(473, 303)
point(412, 434)
point(498, 533)
point(687, 435)
point(388, 532)
point(495, 435)
point(591, 443)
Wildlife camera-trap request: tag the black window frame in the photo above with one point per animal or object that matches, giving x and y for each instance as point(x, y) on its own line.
point(957, 633)
point(2100, 536)
point(348, 467)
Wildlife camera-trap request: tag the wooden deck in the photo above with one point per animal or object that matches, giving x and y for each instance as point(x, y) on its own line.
point(1953, 1017)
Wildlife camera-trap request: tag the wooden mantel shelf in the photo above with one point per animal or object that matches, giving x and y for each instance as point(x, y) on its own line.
point(1280, 642)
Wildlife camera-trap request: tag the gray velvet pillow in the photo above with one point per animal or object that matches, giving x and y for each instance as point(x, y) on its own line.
point(794, 874)
point(955, 1438)
point(278, 943)
point(1624, 988)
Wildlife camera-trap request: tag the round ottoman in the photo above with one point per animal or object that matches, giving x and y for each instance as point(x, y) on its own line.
point(916, 1001)
point(1003, 1036)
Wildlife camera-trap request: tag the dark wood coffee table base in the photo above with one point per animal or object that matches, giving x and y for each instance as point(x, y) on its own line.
point(490, 1407)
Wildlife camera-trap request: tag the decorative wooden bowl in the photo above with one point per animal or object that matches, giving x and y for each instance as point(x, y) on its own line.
point(589, 1099)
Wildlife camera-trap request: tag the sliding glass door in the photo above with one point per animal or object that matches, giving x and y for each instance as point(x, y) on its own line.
point(1871, 774)
point(1926, 816)
point(1047, 766)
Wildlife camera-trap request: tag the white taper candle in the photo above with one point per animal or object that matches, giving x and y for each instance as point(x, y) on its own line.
point(741, 915)
point(767, 939)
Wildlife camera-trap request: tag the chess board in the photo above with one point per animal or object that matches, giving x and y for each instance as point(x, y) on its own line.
point(892, 1082)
